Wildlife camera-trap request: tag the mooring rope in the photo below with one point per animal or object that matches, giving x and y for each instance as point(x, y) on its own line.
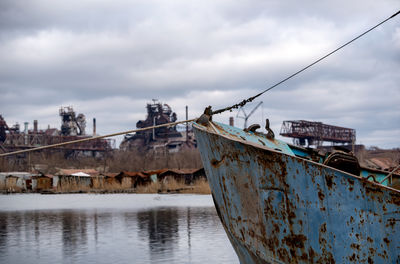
point(93, 138)
point(245, 101)
point(390, 174)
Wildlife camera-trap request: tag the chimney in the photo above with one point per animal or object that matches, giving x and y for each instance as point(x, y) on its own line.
point(35, 126)
point(26, 127)
point(94, 126)
point(231, 122)
point(26, 133)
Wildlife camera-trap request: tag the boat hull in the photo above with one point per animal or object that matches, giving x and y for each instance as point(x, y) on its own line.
point(279, 208)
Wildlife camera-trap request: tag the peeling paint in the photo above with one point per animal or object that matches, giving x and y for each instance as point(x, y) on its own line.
point(280, 208)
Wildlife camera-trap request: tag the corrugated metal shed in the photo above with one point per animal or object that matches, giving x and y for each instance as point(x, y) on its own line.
point(132, 178)
point(187, 175)
point(91, 172)
point(78, 176)
point(42, 182)
point(15, 179)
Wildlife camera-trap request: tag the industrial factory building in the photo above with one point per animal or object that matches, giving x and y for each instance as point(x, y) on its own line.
point(163, 139)
point(72, 128)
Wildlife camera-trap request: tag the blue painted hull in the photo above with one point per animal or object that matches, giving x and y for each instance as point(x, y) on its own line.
point(279, 208)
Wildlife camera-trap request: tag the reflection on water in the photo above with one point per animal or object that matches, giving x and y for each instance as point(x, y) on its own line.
point(161, 227)
point(100, 234)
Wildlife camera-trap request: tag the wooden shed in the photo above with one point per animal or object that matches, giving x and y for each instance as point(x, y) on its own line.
point(132, 179)
point(184, 175)
point(74, 177)
point(16, 180)
point(42, 182)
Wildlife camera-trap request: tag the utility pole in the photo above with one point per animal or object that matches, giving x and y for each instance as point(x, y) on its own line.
point(187, 125)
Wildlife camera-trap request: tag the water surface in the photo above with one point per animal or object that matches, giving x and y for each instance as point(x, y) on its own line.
point(113, 228)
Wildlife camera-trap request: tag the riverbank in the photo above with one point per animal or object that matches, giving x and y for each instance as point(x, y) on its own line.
point(169, 187)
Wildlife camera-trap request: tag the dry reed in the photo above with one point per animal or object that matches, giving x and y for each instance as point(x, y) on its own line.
point(72, 185)
point(201, 186)
point(173, 186)
point(152, 187)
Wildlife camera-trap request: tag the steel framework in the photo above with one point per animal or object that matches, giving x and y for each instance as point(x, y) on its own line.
point(315, 133)
point(24, 141)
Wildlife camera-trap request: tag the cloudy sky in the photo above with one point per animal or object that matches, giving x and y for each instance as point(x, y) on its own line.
point(108, 59)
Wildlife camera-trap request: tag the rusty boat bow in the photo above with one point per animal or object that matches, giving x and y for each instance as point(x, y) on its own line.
point(278, 206)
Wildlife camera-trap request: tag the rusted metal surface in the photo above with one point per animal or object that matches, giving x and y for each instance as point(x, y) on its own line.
point(3, 129)
point(317, 132)
point(26, 141)
point(143, 177)
point(343, 161)
point(280, 208)
point(72, 128)
point(68, 172)
point(159, 139)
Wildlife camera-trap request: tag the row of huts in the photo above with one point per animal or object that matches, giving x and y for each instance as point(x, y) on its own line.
point(91, 178)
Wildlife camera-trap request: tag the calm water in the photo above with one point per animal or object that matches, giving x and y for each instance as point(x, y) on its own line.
point(115, 228)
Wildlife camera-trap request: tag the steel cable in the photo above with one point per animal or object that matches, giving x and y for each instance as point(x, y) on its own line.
point(245, 101)
point(93, 138)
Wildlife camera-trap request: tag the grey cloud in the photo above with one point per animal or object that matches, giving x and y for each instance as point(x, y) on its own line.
point(88, 53)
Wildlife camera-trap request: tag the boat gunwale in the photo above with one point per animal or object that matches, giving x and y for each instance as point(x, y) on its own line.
point(239, 140)
point(362, 167)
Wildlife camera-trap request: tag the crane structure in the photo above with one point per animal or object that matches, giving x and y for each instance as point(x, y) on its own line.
point(245, 115)
point(315, 133)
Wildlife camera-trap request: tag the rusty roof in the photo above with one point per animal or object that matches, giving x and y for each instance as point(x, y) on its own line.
point(91, 172)
point(43, 175)
point(382, 163)
point(51, 131)
point(18, 174)
point(158, 172)
point(133, 174)
point(110, 174)
point(146, 174)
point(182, 171)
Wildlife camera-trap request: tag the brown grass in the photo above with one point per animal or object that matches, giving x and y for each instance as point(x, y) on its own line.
point(98, 183)
point(153, 187)
point(72, 185)
point(173, 186)
point(114, 186)
point(374, 152)
point(10, 187)
point(201, 187)
point(166, 186)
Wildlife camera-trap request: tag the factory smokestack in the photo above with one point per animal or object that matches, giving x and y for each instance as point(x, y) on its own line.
point(94, 126)
point(35, 126)
point(26, 132)
point(231, 122)
point(26, 127)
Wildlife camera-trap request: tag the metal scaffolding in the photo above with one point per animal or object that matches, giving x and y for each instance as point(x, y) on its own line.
point(315, 133)
point(170, 139)
point(72, 128)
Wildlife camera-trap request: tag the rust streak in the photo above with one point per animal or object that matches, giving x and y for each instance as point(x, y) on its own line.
point(216, 163)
